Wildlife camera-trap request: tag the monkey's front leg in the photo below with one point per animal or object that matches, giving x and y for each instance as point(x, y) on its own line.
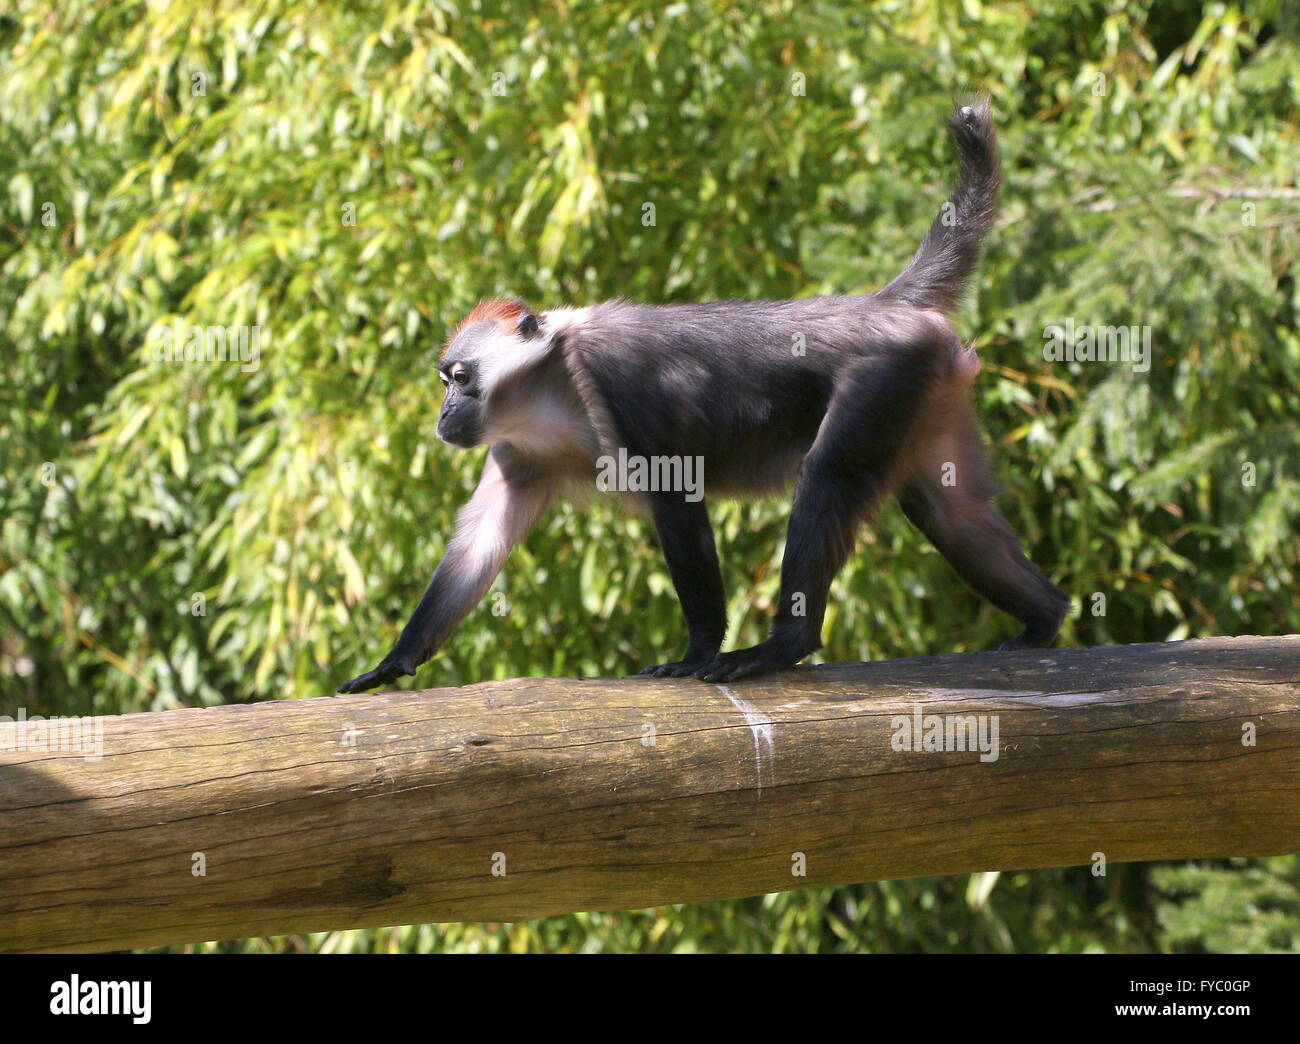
point(841, 481)
point(507, 502)
point(692, 557)
point(818, 539)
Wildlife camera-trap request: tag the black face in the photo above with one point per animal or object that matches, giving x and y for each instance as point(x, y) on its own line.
point(461, 421)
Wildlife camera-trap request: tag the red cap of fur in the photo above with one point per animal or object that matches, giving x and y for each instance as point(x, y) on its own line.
point(500, 310)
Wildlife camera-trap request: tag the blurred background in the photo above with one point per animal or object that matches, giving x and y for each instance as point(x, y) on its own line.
point(349, 179)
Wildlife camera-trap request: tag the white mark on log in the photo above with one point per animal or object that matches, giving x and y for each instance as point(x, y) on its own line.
point(760, 725)
point(1070, 699)
point(1037, 698)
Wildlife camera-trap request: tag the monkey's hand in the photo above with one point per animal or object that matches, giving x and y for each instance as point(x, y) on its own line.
point(385, 674)
point(778, 652)
point(701, 649)
point(682, 668)
point(770, 655)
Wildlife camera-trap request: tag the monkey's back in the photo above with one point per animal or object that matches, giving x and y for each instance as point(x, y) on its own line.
point(742, 384)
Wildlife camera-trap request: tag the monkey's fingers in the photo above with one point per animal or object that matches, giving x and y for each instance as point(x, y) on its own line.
point(745, 663)
point(676, 669)
point(384, 674)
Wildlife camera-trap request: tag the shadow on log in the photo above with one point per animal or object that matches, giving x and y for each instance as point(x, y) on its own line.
point(518, 799)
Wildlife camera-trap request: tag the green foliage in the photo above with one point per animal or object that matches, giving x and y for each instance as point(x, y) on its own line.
point(1235, 906)
point(204, 162)
point(1051, 911)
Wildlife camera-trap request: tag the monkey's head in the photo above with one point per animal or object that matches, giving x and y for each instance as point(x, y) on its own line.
point(497, 341)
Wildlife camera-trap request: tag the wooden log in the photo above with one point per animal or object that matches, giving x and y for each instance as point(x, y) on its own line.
point(518, 799)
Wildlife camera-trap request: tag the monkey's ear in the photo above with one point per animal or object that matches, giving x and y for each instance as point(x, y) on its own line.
point(526, 325)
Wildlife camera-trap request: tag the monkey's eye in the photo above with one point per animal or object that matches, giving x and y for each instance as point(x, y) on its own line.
point(459, 375)
point(443, 377)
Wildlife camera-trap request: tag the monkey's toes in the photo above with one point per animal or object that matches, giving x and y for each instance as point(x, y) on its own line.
point(1025, 640)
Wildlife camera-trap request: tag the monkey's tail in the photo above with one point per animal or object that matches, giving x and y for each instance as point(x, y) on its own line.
point(936, 276)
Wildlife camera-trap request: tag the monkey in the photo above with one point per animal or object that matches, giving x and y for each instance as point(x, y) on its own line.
point(849, 398)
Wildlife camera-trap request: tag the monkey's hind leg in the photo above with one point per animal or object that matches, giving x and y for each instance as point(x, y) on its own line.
point(686, 537)
point(962, 523)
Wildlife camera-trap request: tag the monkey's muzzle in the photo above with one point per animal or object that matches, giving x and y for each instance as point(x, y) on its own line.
point(464, 436)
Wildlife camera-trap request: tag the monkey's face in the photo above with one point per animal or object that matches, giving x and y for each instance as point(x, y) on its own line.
point(461, 421)
point(497, 341)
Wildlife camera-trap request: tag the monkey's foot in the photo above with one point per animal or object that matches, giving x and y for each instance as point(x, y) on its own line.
point(1041, 630)
point(385, 674)
point(744, 663)
point(1025, 640)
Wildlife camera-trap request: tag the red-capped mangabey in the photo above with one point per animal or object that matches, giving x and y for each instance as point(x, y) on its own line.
point(851, 398)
